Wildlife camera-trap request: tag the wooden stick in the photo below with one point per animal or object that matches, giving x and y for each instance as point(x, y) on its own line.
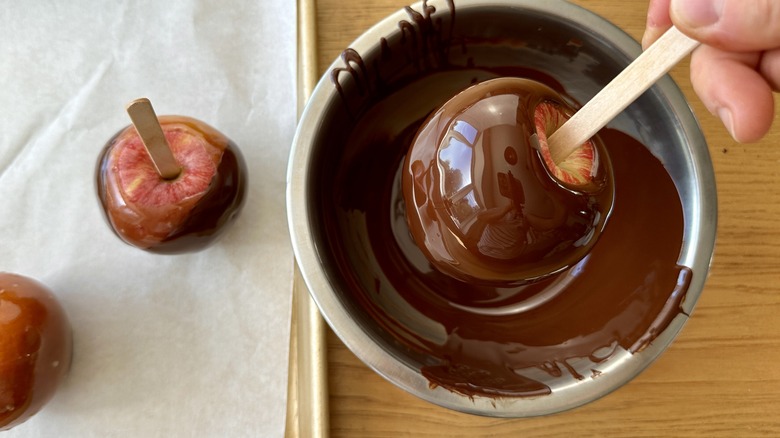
point(627, 86)
point(151, 133)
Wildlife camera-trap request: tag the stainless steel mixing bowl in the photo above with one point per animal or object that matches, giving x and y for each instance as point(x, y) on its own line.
point(580, 50)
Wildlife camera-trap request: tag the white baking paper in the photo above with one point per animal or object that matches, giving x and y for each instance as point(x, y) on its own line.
point(165, 346)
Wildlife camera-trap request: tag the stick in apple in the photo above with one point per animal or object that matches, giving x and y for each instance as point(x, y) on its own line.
point(623, 90)
point(148, 126)
point(169, 184)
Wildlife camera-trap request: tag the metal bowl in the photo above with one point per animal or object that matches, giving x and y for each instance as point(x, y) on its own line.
point(580, 50)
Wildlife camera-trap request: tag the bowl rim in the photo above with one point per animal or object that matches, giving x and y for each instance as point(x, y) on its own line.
point(382, 361)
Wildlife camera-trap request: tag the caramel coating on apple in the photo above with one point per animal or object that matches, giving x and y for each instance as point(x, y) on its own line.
point(171, 216)
point(484, 202)
point(35, 347)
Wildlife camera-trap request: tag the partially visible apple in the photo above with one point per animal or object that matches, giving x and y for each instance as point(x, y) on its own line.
point(182, 214)
point(35, 347)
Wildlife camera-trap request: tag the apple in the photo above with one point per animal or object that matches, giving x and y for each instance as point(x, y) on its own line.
point(486, 204)
point(186, 212)
point(35, 347)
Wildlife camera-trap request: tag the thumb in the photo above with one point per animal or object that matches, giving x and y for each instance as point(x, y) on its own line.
point(732, 25)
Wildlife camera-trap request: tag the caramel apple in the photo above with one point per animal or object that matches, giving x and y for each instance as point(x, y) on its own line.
point(35, 348)
point(486, 203)
point(180, 202)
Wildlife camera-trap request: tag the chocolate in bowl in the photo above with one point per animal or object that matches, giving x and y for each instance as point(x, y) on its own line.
point(496, 351)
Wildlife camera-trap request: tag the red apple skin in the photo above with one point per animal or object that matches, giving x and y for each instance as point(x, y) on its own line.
point(184, 214)
point(35, 348)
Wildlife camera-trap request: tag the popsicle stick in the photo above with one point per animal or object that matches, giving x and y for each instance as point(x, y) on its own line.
point(625, 88)
point(151, 133)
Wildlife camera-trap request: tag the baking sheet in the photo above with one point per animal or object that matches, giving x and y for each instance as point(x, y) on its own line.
point(187, 345)
point(307, 402)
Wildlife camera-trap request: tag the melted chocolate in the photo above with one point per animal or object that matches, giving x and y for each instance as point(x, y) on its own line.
point(488, 340)
point(480, 200)
point(204, 222)
point(493, 340)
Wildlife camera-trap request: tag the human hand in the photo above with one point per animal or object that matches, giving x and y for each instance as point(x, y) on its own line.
point(737, 68)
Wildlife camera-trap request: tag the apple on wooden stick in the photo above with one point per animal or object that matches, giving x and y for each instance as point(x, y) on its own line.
point(169, 184)
point(484, 200)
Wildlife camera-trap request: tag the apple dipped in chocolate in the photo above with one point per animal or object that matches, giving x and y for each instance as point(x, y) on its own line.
point(485, 201)
point(35, 347)
point(169, 184)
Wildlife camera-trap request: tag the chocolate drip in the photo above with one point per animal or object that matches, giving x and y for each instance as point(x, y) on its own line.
point(422, 43)
point(355, 67)
point(429, 45)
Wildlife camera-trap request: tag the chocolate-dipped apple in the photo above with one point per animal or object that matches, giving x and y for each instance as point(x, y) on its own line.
point(169, 184)
point(35, 347)
point(484, 200)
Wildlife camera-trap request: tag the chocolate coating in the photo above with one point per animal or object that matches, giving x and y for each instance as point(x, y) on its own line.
point(203, 221)
point(35, 348)
point(480, 201)
point(498, 340)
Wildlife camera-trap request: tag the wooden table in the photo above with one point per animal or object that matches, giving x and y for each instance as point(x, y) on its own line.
point(722, 374)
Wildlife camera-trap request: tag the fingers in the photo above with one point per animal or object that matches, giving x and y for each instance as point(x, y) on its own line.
point(737, 69)
point(770, 68)
point(735, 25)
point(658, 21)
point(731, 88)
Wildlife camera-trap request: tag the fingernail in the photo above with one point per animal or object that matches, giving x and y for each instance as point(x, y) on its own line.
point(651, 34)
point(646, 38)
point(698, 13)
point(724, 114)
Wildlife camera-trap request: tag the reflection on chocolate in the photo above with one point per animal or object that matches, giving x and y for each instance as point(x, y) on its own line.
point(481, 203)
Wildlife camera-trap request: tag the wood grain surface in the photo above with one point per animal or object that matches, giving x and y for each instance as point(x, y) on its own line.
point(721, 377)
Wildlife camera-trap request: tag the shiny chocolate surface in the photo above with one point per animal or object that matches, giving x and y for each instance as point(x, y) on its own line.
point(482, 203)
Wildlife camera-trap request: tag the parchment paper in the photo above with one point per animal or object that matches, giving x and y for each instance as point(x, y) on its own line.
point(187, 345)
